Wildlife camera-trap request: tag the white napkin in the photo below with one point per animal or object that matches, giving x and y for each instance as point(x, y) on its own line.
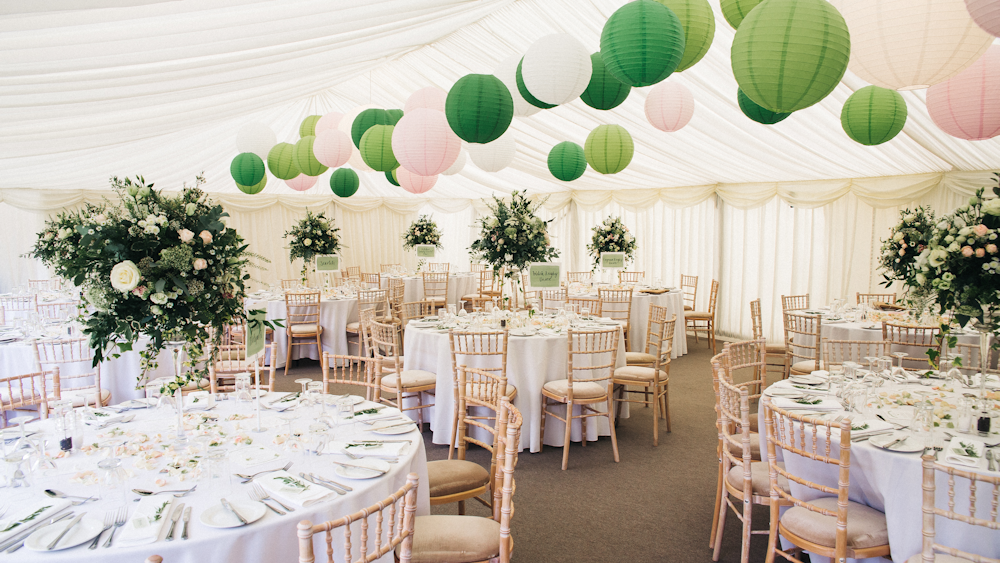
point(276, 485)
point(13, 524)
point(146, 522)
point(875, 426)
point(378, 416)
point(956, 446)
point(385, 450)
point(794, 404)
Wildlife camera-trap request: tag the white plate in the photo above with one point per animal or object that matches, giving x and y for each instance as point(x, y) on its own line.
point(332, 399)
point(523, 332)
point(216, 516)
point(909, 446)
point(354, 473)
point(377, 429)
point(784, 392)
point(250, 456)
point(806, 379)
point(85, 530)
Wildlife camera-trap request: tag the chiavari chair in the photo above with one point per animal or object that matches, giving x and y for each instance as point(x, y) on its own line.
point(45, 285)
point(578, 304)
point(288, 285)
point(836, 352)
point(528, 295)
point(29, 390)
point(415, 310)
point(61, 311)
point(704, 321)
point(553, 300)
point(630, 277)
point(486, 289)
point(478, 267)
point(228, 360)
point(302, 321)
point(352, 272)
point(436, 288)
point(375, 299)
point(656, 378)
point(373, 279)
point(579, 277)
point(397, 293)
point(439, 266)
point(915, 340)
point(356, 371)
point(388, 268)
point(390, 375)
point(617, 304)
point(486, 351)
point(18, 306)
point(969, 353)
point(775, 353)
point(794, 302)
point(689, 285)
point(873, 298)
point(803, 349)
point(83, 387)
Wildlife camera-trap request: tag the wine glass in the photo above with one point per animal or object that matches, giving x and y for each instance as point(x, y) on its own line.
point(314, 389)
point(900, 372)
point(288, 416)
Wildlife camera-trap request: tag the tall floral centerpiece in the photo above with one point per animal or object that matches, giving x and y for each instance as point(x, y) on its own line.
point(314, 234)
point(898, 260)
point(422, 231)
point(611, 236)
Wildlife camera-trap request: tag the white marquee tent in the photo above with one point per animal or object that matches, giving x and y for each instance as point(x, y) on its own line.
point(96, 88)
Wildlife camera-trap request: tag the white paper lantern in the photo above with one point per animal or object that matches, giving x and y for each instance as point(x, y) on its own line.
point(556, 68)
point(506, 71)
point(986, 13)
point(458, 165)
point(495, 156)
point(332, 147)
point(328, 121)
point(424, 143)
point(911, 44)
point(345, 124)
point(430, 98)
point(256, 138)
point(669, 106)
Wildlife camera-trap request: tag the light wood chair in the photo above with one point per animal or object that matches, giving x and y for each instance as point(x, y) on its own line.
point(446, 538)
point(553, 300)
point(836, 352)
point(579, 277)
point(45, 285)
point(373, 279)
point(660, 345)
point(84, 387)
point(302, 321)
point(375, 299)
point(981, 486)
point(288, 285)
point(355, 371)
point(704, 321)
point(873, 298)
point(969, 353)
point(803, 348)
point(528, 295)
point(915, 340)
point(617, 304)
point(394, 522)
point(578, 304)
point(231, 359)
point(775, 353)
point(821, 525)
point(18, 306)
point(397, 294)
point(486, 351)
point(478, 267)
point(29, 390)
point(415, 310)
point(62, 311)
point(436, 288)
point(439, 266)
point(388, 268)
point(590, 383)
point(486, 289)
point(390, 375)
point(630, 277)
point(794, 302)
point(689, 285)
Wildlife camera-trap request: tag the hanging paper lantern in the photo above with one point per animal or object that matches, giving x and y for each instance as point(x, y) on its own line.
point(394, 116)
point(669, 106)
point(344, 182)
point(479, 108)
point(281, 161)
point(906, 45)
point(525, 94)
point(332, 148)
point(328, 122)
point(365, 120)
point(429, 98)
point(642, 43)
point(967, 106)
point(736, 10)
point(301, 182)
point(256, 138)
point(757, 113)
point(698, 20)
point(604, 91)
point(556, 68)
point(495, 156)
point(609, 149)
point(790, 54)
point(346, 125)
point(506, 71)
point(567, 161)
point(357, 162)
point(305, 160)
point(986, 14)
point(247, 169)
point(376, 148)
point(458, 165)
point(424, 143)
point(873, 115)
point(308, 126)
point(391, 176)
point(254, 189)
point(414, 183)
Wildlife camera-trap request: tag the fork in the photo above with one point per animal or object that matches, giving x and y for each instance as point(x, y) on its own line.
point(247, 478)
point(109, 520)
point(264, 495)
point(387, 459)
point(257, 493)
point(120, 519)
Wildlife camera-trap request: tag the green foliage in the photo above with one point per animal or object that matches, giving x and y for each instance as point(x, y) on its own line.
point(611, 236)
point(422, 231)
point(512, 237)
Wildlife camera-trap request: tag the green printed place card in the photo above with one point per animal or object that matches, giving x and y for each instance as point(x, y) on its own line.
point(425, 250)
point(543, 275)
point(613, 260)
point(327, 263)
point(255, 335)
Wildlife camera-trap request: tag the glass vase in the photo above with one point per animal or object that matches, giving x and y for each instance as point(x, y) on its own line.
point(985, 328)
point(175, 347)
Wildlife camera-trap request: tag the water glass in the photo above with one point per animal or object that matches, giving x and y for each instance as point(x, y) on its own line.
point(923, 423)
point(215, 474)
point(112, 482)
point(316, 439)
point(314, 390)
point(243, 387)
point(451, 310)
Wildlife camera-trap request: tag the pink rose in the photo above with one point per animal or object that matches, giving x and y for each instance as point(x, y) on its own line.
point(981, 230)
point(903, 244)
point(967, 251)
point(991, 248)
point(185, 235)
point(980, 253)
point(206, 237)
point(902, 252)
point(200, 263)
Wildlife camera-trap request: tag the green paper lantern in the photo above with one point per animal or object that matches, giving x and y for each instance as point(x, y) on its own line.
point(479, 108)
point(698, 20)
point(790, 54)
point(604, 91)
point(391, 176)
point(308, 126)
point(642, 43)
point(757, 113)
point(394, 116)
point(736, 10)
point(366, 120)
point(567, 161)
point(609, 149)
point(344, 182)
point(873, 115)
point(281, 161)
point(376, 148)
point(247, 169)
point(254, 189)
point(528, 97)
point(305, 160)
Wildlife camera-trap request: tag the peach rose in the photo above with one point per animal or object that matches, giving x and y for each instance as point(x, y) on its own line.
point(185, 235)
point(200, 264)
point(206, 237)
point(981, 230)
point(980, 253)
point(991, 248)
point(967, 251)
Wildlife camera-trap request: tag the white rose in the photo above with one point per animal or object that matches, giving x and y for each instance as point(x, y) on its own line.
point(158, 298)
point(185, 235)
point(125, 276)
point(191, 208)
point(307, 242)
point(100, 218)
point(937, 257)
point(897, 237)
point(992, 207)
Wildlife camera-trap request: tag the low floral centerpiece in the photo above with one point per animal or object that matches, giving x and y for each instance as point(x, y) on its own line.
point(611, 236)
point(314, 234)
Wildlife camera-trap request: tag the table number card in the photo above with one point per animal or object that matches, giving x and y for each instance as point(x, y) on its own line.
point(543, 275)
point(255, 335)
point(327, 263)
point(425, 250)
point(613, 260)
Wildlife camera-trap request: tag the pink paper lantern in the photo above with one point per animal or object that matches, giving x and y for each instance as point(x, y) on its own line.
point(424, 143)
point(669, 106)
point(986, 14)
point(328, 121)
point(301, 182)
point(967, 106)
point(414, 183)
point(429, 98)
point(332, 148)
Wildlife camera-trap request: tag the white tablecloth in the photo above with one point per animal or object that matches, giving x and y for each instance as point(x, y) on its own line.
point(459, 285)
point(334, 314)
point(531, 362)
point(639, 318)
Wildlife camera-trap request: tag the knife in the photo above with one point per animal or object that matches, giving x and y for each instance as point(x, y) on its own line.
point(229, 507)
point(322, 484)
point(330, 481)
point(381, 428)
point(379, 471)
point(187, 518)
point(17, 542)
point(69, 527)
point(173, 521)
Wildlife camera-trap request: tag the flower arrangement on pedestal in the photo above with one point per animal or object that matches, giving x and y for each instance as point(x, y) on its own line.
point(611, 236)
point(905, 243)
point(314, 234)
point(422, 231)
point(163, 266)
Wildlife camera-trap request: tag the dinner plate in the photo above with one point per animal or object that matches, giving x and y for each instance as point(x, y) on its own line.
point(523, 332)
point(380, 465)
point(783, 392)
point(85, 530)
point(216, 516)
point(908, 446)
point(333, 399)
point(807, 379)
point(409, 427)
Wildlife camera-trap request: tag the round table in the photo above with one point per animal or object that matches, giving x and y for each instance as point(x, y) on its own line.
point(459, 285)
point(673, 300)
point(272, 538)
point(334, 315)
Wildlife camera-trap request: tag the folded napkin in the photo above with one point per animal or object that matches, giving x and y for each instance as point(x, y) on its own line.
point(146, 522)
point(867, 427)
point(293, 489)
point(98, 420)
point(964, 451)
point(381, 415)
point(370, 448)
point(23, 514)
point(794, 404)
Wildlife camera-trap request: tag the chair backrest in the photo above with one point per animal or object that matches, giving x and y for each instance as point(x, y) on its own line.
point(872, 298)
point(794, 302)
point(689, 285)
point(487, 390)
point(657, 328)
point(630, 277)
point(746, 363)
point(553, 300)
point(415, 310)
point(377, 299)
point(384, 341)
point(528, 295)
point(734, 430)
point(58, 311)
point(579, 277)
point(487, 282)
point(365, 318)
point(227, 361)
point(756, 319)
point(394, 519)
point(388, 268)
point(397, 292)
point(970, 354)
point(713, 298)
point(836, 352)
point(18, 306)
point(301, 308)
point(287, 285)
point(352, 271)
point(439, 266)
point(914, 340)
point(372, 279)
point(53, 353)
point(592, 356)
point(45, 285)
point(802, 337)
point(577, 304)
point(616, 304)
point(985, 487)
point(30, 389)
point(478, 267)
point(485, 351)
point(350, 370)
point(509, 424)
point(436, 286)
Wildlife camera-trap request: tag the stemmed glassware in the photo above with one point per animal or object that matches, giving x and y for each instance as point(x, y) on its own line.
point(900, 372)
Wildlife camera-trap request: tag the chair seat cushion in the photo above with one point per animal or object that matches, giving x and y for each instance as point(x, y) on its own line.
point(434, 299)
point(775, 349)
point(866, 527)
point(754, 446)
point(637, 373)
point(476, 297)
point(688, 308)
point(304, 329)
point(581, 389)
point(807, 366)
point(698, 315)
point(632, 358)
point(411, 378)
point(387, 365)
point(450, 476)
point(442, 538)
point(759, 479)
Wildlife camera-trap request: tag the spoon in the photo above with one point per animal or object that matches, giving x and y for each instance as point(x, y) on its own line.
point(56, 494)
point(181, 492)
